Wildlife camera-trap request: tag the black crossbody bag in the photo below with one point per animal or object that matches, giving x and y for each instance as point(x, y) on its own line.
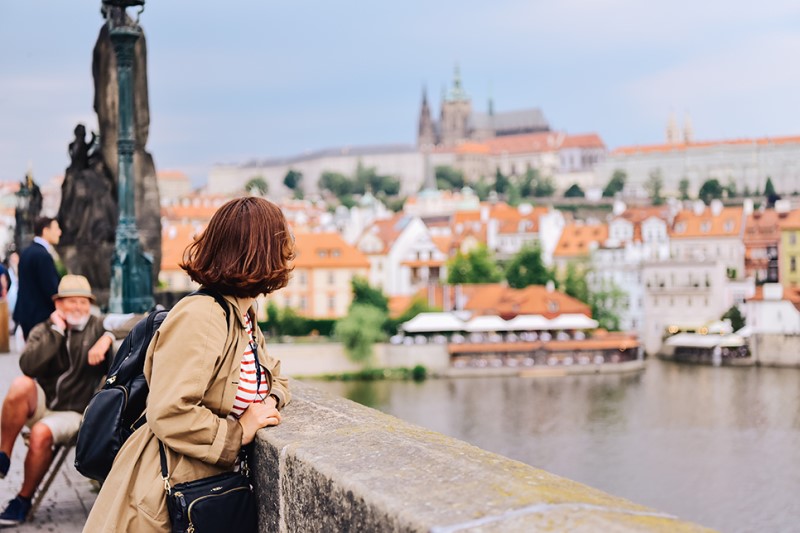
point(224, 502)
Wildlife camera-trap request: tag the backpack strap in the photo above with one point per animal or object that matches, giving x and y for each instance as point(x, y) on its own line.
point(218, 298)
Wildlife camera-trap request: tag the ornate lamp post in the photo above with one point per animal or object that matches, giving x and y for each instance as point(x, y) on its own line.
point(131, 270)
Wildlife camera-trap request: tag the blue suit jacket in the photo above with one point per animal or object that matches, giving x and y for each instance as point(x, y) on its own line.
point(38, 282)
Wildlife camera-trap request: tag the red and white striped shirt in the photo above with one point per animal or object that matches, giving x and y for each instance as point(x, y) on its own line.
point(247, 394)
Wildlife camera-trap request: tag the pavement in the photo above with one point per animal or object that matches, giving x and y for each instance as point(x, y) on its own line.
point(70, 497)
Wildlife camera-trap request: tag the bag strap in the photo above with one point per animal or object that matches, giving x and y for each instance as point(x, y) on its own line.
point(224, 304)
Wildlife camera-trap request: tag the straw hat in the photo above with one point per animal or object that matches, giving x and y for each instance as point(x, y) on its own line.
point(74, 286)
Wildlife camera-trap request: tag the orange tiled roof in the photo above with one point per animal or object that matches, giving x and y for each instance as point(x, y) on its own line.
point(443, 243)
point(388, 230)
point(499, 299)
point(192, 212)
point(688, 225)
point(791, 220)
point(171, 175)
point(174, 240)
point(640, 214)
point(576, 239)
point(654, 148)
point(326, 250)
point(762, 227)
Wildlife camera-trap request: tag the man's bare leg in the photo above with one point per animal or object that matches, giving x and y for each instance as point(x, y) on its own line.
point(18, 406)
point(40, 455)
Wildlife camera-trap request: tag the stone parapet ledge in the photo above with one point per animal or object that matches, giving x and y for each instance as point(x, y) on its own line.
point(334, 465)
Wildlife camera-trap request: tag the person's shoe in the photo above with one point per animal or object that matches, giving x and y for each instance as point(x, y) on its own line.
point(5, 463)
point(16, 512)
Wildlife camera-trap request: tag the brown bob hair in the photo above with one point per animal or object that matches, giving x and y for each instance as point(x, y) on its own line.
point(245, 251)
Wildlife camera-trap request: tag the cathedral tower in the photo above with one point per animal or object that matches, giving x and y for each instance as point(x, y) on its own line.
point(456, 110)
point(426, 135)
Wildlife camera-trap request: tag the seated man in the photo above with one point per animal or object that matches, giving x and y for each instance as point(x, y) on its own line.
point(64, 362)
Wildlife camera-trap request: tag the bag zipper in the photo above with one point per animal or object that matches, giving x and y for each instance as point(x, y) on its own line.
point(190, 529)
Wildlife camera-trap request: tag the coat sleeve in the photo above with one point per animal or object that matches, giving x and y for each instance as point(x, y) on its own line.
point(47, 273)
point(39, 359)
point(280, 384)
point(181, 363)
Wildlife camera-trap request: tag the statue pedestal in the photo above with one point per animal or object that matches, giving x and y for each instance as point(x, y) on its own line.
point(4, 327)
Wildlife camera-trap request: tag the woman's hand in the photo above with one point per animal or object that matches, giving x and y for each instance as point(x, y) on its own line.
point(257, 416)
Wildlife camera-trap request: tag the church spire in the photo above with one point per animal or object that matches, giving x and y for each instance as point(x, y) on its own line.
point(457, 93)
point(426, 134)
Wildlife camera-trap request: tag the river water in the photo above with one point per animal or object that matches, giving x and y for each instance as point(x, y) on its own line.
point(715, 446)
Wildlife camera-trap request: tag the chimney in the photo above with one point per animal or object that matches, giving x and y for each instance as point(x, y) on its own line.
point(783, 206)
point(619, 207)
point(550, 286)
point(698, 207)
point(716, 207)
point(484, 213)
point(748, 206)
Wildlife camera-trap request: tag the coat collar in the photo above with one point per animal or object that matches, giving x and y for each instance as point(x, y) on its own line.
point(240, 307)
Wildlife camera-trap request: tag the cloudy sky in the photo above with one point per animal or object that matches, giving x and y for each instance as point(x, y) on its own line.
point(240, 79)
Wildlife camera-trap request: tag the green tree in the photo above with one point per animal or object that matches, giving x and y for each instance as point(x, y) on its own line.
point(292, 179)
point(273, 319)
point(449, 178)
point(257, 186)
point(730, 188)
point(366, 294)
point(292, 324)
point(746, 192)
point(359, 331)
point(606, 306)
point(338, 184)
point(769, 188)
point(482, 189)
point(478, 266)
point(710, 190)
point(615, 184)
point(527, 268)
point(574, 283)
point(736, 318)
point(654, 185)
point(574, 191)
point(501, 182)
point(543, 187)
point(527, 182)
point(683, 188)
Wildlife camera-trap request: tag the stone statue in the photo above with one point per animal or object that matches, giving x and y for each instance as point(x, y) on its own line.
point(88, 211)
point(29, 207)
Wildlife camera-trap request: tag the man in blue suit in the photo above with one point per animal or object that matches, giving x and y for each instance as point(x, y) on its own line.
point(38, 277)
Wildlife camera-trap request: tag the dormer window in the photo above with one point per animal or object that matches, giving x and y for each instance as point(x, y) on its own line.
point(728, 226)
point(705, 227)
point(680, 227)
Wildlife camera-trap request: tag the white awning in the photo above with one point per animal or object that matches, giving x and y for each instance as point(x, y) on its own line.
point(573, 321)
point(528, 323)
point(695, 340)
point(432, 323)
point(487, 323)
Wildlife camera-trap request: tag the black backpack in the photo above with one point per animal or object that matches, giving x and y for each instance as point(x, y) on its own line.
point(118, 409)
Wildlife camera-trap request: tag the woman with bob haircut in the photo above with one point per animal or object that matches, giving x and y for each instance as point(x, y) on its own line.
point(203, 403)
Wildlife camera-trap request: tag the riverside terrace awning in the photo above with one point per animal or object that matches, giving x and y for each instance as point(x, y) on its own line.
point(433, 323)
point(528, 323)
point(695, 340)
point(486, 323)
point(573, 321)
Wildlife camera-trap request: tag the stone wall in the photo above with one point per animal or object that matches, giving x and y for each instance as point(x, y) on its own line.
point(329, 357)
point(775, 349)
point(333, 465)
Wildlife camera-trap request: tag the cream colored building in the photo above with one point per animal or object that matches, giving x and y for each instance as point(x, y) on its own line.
point(320, 286)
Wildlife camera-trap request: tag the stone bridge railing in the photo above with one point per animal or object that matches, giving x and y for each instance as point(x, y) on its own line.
point(334, 465)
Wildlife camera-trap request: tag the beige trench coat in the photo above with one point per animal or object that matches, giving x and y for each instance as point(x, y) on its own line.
point(192, 367)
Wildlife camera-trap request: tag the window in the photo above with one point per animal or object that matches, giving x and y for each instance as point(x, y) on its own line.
point(331, 303)
point(331, 277)
point(793, 264)
point(793, 238)
point(301, 278)
point(302, 303)
point(705, 227)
